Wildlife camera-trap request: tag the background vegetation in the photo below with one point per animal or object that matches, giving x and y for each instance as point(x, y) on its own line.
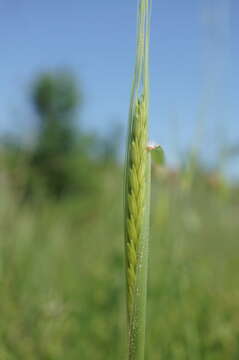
point(62, 285)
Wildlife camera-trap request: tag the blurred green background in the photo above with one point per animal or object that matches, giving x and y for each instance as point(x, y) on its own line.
point(66, 72)
point(62, 286)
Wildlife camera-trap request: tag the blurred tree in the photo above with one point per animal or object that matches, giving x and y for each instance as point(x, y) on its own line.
point(55, 97)
point(63, 160)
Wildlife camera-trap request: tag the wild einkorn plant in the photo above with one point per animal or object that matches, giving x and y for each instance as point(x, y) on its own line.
point(137, 191)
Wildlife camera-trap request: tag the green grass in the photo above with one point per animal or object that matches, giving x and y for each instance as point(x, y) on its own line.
point(62, 293)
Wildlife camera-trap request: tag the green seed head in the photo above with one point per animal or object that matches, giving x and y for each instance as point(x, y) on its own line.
point(135, 193)
point(137, 184)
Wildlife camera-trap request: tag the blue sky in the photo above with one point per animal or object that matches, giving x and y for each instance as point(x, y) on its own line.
point(194, 65)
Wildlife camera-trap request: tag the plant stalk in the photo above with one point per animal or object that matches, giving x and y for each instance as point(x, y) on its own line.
point(137, 191)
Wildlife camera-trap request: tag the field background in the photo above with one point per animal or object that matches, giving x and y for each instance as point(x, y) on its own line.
point(62, 270)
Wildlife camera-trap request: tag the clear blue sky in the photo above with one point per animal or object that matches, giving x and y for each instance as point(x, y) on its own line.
point(194, 64)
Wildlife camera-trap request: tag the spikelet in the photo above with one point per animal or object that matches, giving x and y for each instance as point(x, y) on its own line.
point(136, 195)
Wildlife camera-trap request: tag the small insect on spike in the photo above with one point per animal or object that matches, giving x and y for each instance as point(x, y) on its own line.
point(157, 153)
point(152, 146)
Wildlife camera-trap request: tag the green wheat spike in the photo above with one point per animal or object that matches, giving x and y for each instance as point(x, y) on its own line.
point(137, 191)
